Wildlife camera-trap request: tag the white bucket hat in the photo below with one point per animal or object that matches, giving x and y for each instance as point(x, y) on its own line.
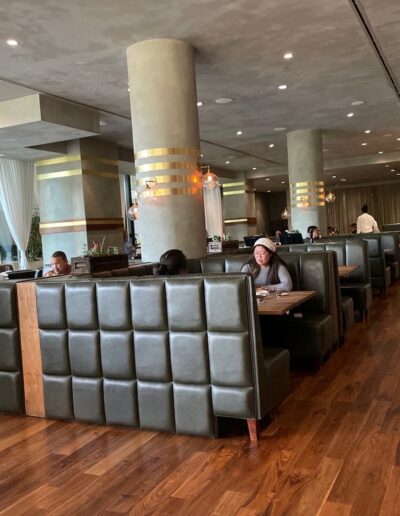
point(266, 242)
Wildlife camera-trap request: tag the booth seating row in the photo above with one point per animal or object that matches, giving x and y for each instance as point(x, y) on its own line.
point(169, 354)
point(316, 338)
point(357, 285)
point(312, 333)
point(11, 391)
point(383, 254)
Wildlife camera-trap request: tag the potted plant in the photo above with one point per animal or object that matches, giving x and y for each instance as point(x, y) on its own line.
point(96, 259)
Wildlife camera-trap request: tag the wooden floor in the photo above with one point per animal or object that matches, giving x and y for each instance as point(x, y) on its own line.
point(333, 449)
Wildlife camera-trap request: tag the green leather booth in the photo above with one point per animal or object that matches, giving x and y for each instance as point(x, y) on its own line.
point(314, 334)
point(357, 286)
point(11, 390)
point(162, 353)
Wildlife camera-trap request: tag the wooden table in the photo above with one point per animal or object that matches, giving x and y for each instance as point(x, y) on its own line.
point(346, 270)
point(272, 305)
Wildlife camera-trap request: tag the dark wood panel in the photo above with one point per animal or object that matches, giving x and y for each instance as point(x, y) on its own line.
point(30, 349)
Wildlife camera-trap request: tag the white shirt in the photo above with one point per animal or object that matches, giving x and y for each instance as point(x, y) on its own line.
point(367, 224)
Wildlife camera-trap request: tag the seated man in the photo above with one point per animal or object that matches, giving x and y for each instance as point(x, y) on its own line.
point(313, 233)
point(59, 265)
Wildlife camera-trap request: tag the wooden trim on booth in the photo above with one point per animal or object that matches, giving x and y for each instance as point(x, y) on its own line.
point(30, 349)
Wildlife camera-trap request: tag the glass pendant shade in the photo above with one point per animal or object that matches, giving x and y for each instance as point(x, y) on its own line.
point(285, 214)
point(331, 197)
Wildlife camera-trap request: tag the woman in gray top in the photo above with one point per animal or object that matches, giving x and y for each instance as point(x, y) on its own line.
point(267, 269)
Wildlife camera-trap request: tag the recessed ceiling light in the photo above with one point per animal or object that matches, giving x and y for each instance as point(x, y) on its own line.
point(282, 87)
point(254, 189)
point(12, 42)
point(398, 174)
point(343, 179)
point(239, 133)
point(271, 145)
point(268, 191)
point(387, 166)
point(387, 135)
point(367, 131)
point(199, 103)
point(392, 170)
point(129, 89)
point(224, 100)
point(279, 129)
point(398, 139)
point(288, 55)
point(267, 179)
point(324, 150)
point(364, 143)
point(380, 152)
point(349, 115)
point(201, 155)
point(283, 182)
point(358, 102)
point(254, 168)
point(333, 177)
point(227, 162)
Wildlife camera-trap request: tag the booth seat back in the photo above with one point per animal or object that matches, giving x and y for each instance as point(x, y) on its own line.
point(11, 390)
point(380, 275)
point(391, 227)
point(316, 271)
point(157, 353)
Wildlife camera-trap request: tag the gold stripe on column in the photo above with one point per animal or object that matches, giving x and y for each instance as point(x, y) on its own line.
point(76, 157)
point(161, 192)
point(307, 194)
point(230, 185)
point(166, 165)
point(56, 161)
point(68, 226)
point(183, 178)
point(165, 151)
point(60, 174)
point(77, 172)
point(234, 192)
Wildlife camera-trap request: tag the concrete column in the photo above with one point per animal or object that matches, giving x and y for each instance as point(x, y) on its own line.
point(307, 190)
point(79, 198)
point(165, 131)
point(239, 208)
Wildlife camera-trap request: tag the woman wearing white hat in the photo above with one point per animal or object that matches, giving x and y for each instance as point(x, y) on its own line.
point(267, 268)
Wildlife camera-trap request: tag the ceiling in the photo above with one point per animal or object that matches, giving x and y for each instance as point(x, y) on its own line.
point(76, 51)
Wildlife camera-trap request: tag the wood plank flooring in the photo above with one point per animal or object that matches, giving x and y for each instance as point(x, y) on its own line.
point(334, 449)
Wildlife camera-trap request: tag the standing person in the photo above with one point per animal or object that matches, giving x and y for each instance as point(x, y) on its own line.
point(366, 222)
point(267, 268)
point(171, 263)
point(59, 265)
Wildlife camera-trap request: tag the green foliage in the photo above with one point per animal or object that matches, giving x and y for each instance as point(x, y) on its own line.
point(34, 249)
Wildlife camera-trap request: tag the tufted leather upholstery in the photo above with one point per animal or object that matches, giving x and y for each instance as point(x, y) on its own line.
point(380, 273)
point(314, 334)
point(390, 242)
point(162, 353)
point(349, 252)
point(11, 392)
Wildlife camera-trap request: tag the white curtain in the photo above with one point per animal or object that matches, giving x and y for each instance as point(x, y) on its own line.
point(16, 197)
point(213, 212)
